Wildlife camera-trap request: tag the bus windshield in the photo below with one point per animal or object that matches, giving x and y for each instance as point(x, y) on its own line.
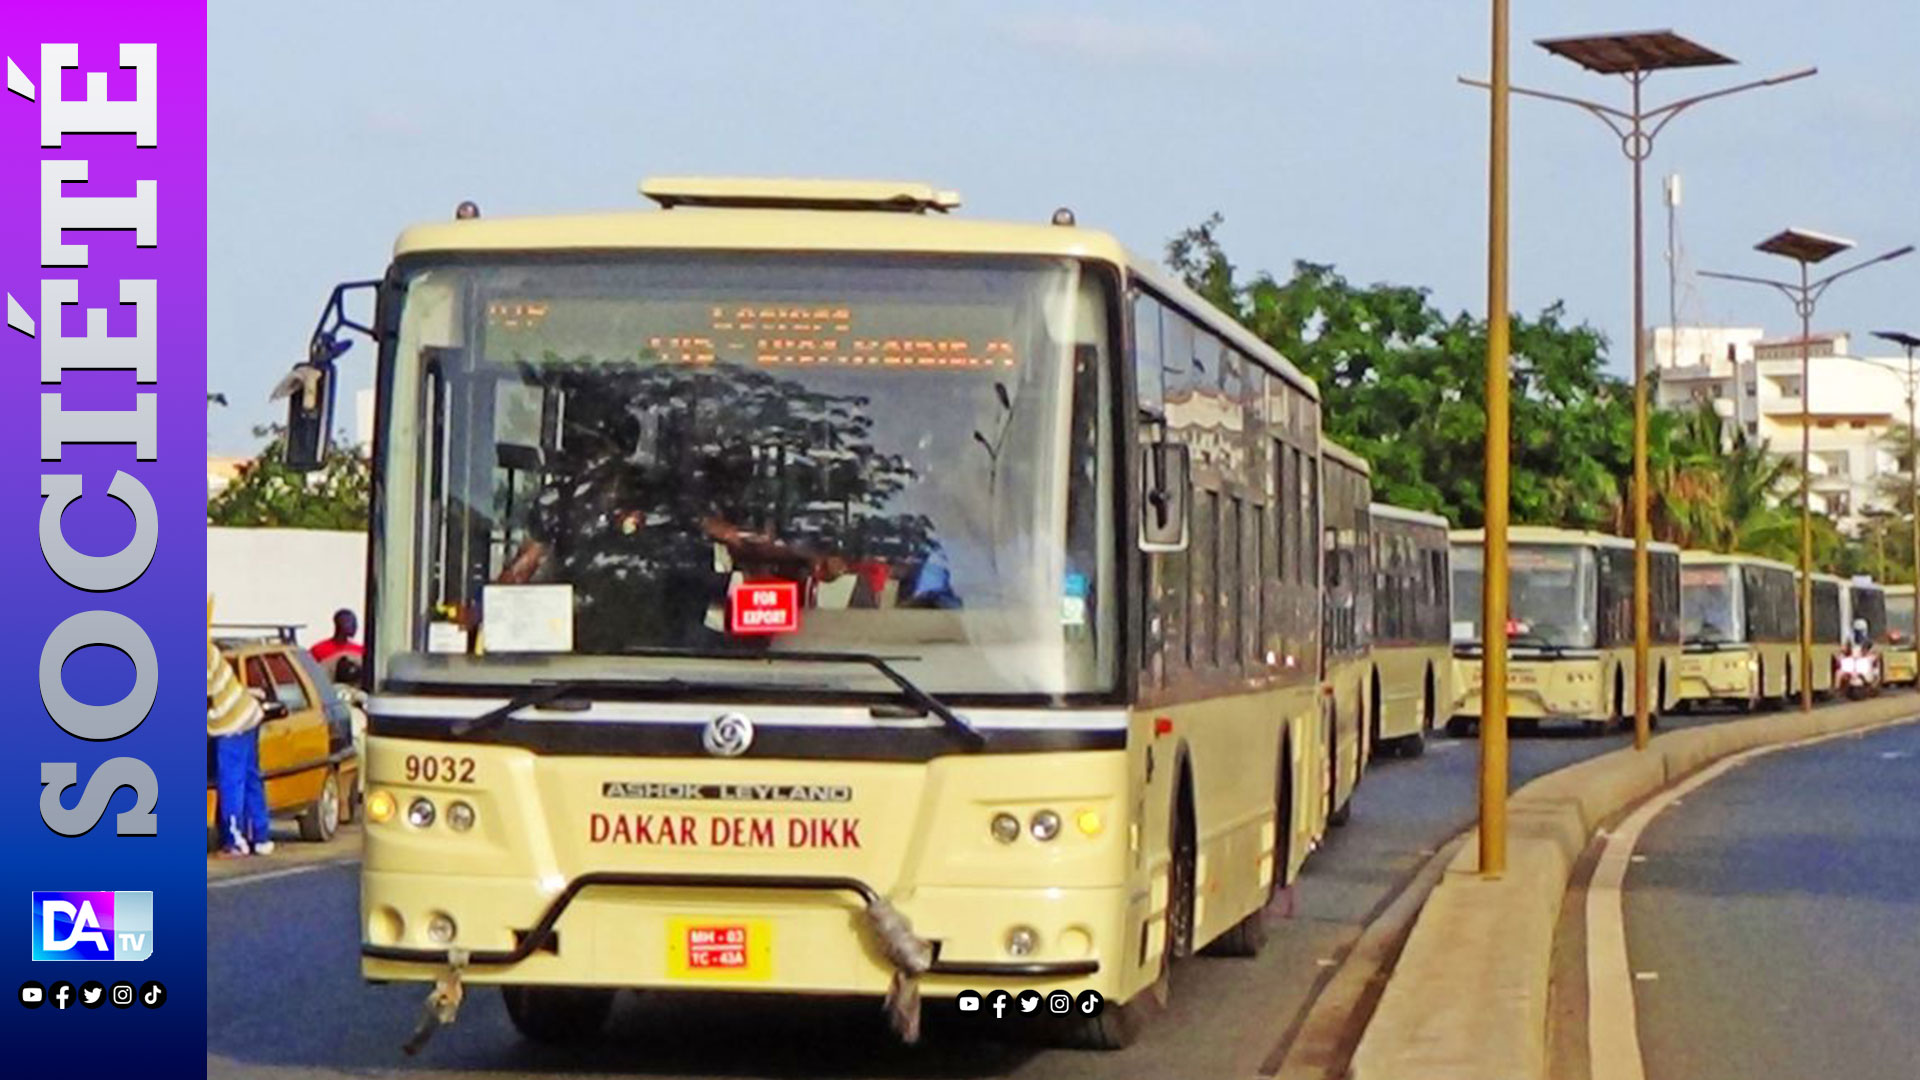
point(1900, 618)
point(1709, 610)
point(1552, 596)
point(588, 459)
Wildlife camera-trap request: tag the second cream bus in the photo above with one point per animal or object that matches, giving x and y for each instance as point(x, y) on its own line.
point(1412, 662)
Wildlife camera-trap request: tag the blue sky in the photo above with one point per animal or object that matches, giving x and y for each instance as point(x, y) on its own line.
point(1325, 131)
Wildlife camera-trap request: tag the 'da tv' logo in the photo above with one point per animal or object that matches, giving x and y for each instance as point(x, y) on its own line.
point(92, 925)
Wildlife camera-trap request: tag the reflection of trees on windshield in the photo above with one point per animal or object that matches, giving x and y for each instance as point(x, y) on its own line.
point(654, 465)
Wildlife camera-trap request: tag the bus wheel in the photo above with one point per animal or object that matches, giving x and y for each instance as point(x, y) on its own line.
point(1459, 727)
point(1414, 745)
point(557, 1014)
point(320, 821)
point(1338, 813)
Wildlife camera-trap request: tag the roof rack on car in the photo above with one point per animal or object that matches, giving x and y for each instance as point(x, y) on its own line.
point(287, 633)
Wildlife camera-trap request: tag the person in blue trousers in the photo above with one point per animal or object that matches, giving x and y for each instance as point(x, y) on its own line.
point(233, 723)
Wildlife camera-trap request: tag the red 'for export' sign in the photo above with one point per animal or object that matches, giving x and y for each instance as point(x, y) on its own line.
point(764, 607)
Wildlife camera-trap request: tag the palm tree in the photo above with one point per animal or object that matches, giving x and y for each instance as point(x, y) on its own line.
point(1720, 489)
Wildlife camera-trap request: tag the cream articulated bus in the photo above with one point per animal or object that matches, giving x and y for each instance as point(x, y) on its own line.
point(1347, 631)
point(1902, 663)
point(798, 590)
point(1569, 628)
point(1739, 628)
point(1412, 653)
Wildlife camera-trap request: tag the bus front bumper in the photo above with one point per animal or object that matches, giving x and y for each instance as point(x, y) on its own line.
point(794, 933)
point(1535, 692)
point(1714, 677)
point(1902, 666)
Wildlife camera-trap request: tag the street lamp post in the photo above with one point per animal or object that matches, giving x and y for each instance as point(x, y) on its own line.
point(1910, 342)
point(1493, 593)
point(1635, 56)
point(1807, 249)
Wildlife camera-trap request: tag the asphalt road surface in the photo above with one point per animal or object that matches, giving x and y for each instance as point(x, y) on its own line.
point(286, 999)
point(1774, 926)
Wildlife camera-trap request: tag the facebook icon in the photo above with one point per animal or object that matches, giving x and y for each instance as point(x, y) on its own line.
point(92, 925)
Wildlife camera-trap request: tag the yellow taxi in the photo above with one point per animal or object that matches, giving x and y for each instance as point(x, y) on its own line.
point(306, 735)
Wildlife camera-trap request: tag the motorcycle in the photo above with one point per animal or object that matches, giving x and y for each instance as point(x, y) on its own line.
point(1857, 672)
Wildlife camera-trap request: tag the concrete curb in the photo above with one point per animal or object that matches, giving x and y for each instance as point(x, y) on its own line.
point(1468, 999)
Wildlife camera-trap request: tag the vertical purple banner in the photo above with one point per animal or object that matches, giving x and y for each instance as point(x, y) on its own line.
point(103, 159)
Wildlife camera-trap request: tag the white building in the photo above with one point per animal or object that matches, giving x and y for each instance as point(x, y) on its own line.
point(1754, 385)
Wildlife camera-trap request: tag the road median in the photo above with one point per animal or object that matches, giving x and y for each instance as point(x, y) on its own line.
point(1468, 998)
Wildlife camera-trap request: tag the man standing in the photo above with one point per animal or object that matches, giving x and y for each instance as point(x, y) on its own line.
point(341, 644)
point(233, 723)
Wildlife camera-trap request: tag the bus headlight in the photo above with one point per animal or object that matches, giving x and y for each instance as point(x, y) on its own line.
point(440, 928)
point(381, 807)
point(1006, 828)
point(1022, 940)
point(1045, 825)
point(460, 816)
point(420, 813)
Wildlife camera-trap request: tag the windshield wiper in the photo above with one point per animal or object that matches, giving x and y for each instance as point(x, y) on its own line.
point(909, 690)
point(542, 695)
point(1541, 643)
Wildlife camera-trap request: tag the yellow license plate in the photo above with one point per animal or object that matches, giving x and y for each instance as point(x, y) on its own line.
point(720, 948)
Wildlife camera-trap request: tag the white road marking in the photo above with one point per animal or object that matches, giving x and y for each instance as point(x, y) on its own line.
point(1613, 1034)
point(270, 875)
point(1646, 976)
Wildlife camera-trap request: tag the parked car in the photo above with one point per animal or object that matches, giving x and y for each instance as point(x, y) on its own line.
point(307, 746)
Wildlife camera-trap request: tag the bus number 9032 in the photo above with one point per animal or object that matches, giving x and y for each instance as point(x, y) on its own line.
point(431, 769)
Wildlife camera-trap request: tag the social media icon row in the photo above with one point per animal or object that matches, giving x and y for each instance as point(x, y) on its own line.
point(1030, 1002)
point(92, 995)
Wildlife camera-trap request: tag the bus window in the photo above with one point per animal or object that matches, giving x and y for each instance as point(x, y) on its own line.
point(1148, 377)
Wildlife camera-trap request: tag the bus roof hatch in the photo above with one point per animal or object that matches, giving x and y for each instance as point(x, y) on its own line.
point(767, 194)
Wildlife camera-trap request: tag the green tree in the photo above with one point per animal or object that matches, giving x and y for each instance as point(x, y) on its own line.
point(1403, 385)
point(268, 494)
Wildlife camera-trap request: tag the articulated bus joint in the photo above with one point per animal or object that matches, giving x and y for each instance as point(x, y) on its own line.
point(910, 955)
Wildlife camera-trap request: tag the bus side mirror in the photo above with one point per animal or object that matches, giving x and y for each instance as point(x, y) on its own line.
point(1163, 513)
point(308, 389)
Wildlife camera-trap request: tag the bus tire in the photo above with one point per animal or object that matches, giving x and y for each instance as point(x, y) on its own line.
point(1459, 727)
point(1118, 1026)
point(1338, 813)
point(1415, 744)
point(554, 1015)
point(1243, 939)
point(321, 820)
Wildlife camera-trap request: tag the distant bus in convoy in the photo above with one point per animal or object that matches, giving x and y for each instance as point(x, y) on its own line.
point(1902, 662)
point(798, 590)
point(1569, 628)
point(1412, 656)
point(1346, 492)
point(1739, 628)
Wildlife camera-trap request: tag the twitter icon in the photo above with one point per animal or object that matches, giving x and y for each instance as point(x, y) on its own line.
point(1029, 1001)
point(92, 994)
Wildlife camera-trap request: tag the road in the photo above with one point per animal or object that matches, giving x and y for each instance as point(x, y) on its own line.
point(1773, 927)
point(286, 999)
